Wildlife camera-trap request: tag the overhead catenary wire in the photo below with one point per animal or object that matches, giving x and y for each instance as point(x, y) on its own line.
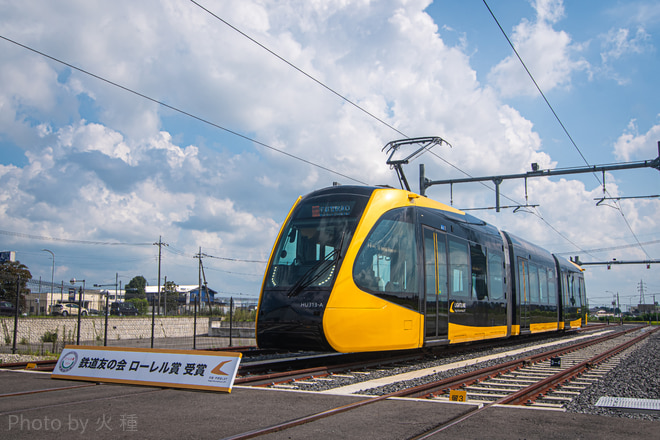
point(608, 249)
point(68, 240)
point(178, 110)
point(292, 65)
point(236, 133)
point(325, 86)
point(538, 88)
point(330, 89)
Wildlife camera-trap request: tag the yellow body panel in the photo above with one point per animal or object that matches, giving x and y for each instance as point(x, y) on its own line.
point(388, 327)
point(543, 327)
point(576, 324)
point(355, 320)
point(463, 333)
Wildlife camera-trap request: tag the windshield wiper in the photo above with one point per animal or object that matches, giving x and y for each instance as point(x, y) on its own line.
point(317, 270)
point(314, 273)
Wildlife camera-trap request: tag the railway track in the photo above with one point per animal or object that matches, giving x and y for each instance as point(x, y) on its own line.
point(40, 365)
point(326, 371)
point(263, 367)
point(531, 380)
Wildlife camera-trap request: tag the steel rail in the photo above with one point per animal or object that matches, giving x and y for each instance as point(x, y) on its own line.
point(525, 393)
point(469, 378)
point(413, 391)
point(324, 370)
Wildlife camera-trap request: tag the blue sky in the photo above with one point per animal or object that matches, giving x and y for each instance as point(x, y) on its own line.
point(96, 174)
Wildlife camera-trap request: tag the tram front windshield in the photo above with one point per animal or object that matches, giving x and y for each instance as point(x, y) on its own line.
point(313, 243)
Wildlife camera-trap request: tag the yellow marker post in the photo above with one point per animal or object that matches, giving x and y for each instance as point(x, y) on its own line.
point(458, 396)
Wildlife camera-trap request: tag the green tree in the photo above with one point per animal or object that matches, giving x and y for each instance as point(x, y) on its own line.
point(135, 288)
point(140, 304)
point(10, 273)
point(171, 295)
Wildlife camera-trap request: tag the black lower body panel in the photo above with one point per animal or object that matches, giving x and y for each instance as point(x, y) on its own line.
point(292, 323)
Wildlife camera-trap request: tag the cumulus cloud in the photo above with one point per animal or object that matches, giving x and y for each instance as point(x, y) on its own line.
point(632, 145)
point(619, 42)
point(101, 163)
point(550, 55)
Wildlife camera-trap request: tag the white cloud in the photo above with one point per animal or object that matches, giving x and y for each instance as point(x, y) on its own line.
point(619, 43)
point(632, 145)
point(550, 55)
point(105, 164)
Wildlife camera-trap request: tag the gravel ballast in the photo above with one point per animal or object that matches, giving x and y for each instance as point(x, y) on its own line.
point(637, 376)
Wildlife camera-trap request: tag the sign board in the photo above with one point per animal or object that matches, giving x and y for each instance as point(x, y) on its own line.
point(7, 256)
point(458, 396)
point(72, 293)
point(191, 369)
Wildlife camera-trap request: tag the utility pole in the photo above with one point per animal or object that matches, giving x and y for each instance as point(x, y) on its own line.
point(165, 296)
point(160, 245)
point(199, 293)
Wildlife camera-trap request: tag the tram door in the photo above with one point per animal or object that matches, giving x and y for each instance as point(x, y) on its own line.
point(523, 294)
point(435, 266)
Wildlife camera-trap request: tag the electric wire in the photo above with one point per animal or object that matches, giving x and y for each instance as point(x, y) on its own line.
point(235, 259)
point(67, 240)
point(178, 110)
point(331, 90)
point(100, 78)
point(367, 112)
point(608, 249)
point(561, 124)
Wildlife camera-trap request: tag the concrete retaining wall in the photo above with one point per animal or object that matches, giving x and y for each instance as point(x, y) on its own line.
point(219, 328)
point(31, 330)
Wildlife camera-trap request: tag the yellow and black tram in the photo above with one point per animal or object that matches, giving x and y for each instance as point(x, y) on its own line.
point(371, 269)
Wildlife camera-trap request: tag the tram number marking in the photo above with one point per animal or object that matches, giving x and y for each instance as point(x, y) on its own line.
point(458, 395)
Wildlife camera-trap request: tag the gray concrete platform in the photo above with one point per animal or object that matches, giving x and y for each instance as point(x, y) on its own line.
point(122, 411)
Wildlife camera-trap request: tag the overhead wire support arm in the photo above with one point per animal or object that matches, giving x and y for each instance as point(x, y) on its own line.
point(426, 143)
point(602, 199)
point(497, 180)
point(610, 263)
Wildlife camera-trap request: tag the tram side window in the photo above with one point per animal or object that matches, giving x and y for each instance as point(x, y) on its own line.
point(533, 284)
point(543, 286)
point(387, 261)
point(552, 287)
point(429, 262)
point(523, 281)
point(496, 276)
point(459, 281)
point(478, 258)
point(578, 287)
point(570, 292)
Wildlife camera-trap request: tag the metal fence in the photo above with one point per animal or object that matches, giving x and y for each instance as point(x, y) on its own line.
point(49, 334)
point(188, 324)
